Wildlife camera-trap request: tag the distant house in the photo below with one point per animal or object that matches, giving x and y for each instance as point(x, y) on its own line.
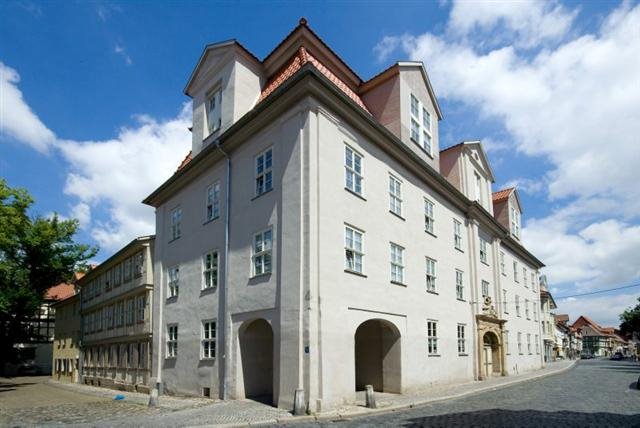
point(599, 341)
point(66, 342)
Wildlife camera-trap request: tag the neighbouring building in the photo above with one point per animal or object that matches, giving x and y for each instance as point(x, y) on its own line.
point(317, 238)
point(547, 322)
point(66, 341)
point(597, 340)
point(116, 303)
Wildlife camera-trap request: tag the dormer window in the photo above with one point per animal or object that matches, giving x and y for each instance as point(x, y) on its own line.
point(421, 126)
point(214, 117)
point(515, 222)
point(478, 188)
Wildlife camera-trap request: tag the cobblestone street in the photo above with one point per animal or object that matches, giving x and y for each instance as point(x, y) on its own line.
point(595, 393)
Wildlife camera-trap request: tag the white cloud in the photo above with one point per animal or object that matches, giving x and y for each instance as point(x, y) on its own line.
point(120, 50)
point(385, 47)
point(603, 309)
point(17, 120)
point(111, 176)
point(523, 23)
point(526, 185)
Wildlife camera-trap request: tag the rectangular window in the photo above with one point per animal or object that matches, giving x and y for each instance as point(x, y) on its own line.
point(353, 170)
point(529, 343)
point(426, 120)
point(176, 223)
point(459, 285)
point(429, 219)
point(141, 303)
point(262, 247)
point(431, 275)
point(117, 275)
point(462, 348)
point(427, 144)
point(526, 308)
point(415, 131)
point(264, 173)
point(210, 270)
point(478, 182)
point(457, 234)
point(524, 276)
point(174, 281)
point(515, 271)
point(537, 345)
point(213, 201)
point(397, 263)
point(519, 343)
point(208, 339)
point(214, 116)
point(535, 311)
point(138, 264)
point(483, 250)
point(515, 222)
point(353, 249)
point(505, 307)
point(395, 195)
point(172, 341)
point(502, 269)
point(506, 342)
point(432, 337)
point(485, 288)
point(533, 281)
point(130, 305)
point(415, 106)
point(517, 305)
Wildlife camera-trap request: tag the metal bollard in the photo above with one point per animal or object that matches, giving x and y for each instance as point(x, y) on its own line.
point(370, 399)
point(299, 405)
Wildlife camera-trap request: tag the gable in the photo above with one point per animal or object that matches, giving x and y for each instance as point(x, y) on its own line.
point(479, 159)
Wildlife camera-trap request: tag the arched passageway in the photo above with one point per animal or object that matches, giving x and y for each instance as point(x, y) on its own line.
point(378, 356)
point(256, 354)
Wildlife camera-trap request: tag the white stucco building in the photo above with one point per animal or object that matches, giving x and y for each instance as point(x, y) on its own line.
point(317, 238)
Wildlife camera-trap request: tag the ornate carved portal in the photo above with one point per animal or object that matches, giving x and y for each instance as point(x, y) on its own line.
point(491, 352)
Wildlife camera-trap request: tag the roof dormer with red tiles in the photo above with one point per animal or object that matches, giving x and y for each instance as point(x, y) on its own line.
point(508, 210)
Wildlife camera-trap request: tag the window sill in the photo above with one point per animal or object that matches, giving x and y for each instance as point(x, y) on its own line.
point(260, 275)
point(422, 149)
point(484, 262)
point(459, 249)
point(171, 299)
point(397, 215)
point(210, 220)
point(434, 355)
point(430, 233)
point(262, 194)
point(461, 300)
point(208, 290)
point(170, 358)
point(356, 194)
point(463, 355)
point(174, 239)
point(504, 274)
point(208, 359)
point(433, 292)
point(356, 273)
point(398, 283)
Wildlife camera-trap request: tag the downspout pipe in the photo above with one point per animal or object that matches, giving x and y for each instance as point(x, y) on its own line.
point(226, 318)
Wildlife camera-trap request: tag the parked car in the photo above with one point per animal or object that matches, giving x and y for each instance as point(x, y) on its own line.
point(586, 356)
point(29, 367)
point(617, 356)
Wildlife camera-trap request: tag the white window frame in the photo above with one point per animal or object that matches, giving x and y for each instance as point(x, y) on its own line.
point(505, 307)
point(263, 169)
point(214, 115)
point(421, 127)
point(208, 335)
point(483, 250)
point(212, 209)
point(172, 341)
point(526, 309)
point(429, 216)
point(395, 195)
point(529, 343)
point(176, 223)
point(351, 250)
point(210, 271)
point(462, 340)
point(430, 277)
point(524, 276)
point(396, 259)
point(502, 265)
point(515, 271)
point(353, 170)
point(173, 281)
point(520, 343)
point(533, 281)
point(260, 254)
point(485, 288)
point(517, 305)
point(457, 234)
point(515, 222)
point(478, 187)
point(432, 337)
point(459, 285)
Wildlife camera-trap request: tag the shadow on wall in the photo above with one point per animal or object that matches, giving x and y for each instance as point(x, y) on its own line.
point(525, 418)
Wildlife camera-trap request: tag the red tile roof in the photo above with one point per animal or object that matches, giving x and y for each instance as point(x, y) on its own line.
point(185, 161)
point(502, 195)
point(60, 292)
point(296, 62)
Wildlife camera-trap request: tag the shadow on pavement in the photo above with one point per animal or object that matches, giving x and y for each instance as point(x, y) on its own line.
point(8, 386)
point(525, 418)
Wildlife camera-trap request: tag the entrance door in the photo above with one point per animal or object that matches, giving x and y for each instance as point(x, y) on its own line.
point(256, 353)
point(488, 361)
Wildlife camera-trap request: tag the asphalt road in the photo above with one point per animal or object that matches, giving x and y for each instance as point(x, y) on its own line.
point(595, 393)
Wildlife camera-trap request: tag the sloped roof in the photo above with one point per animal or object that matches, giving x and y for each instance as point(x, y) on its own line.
point(561, 318)
point(502, 195)
point(295, 63)
point(60, 292)
point(185, 161)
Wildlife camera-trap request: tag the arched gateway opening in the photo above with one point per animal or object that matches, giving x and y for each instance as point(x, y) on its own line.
point(256, 353)
point(491, 354)
point(377, 356)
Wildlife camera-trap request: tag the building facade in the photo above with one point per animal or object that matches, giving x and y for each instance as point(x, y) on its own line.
point(547, 320)
point(66, 342)
point(597, 340)
point(116, 310)
point(317, 238)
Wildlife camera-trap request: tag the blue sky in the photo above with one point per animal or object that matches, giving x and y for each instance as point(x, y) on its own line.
point(551, 88)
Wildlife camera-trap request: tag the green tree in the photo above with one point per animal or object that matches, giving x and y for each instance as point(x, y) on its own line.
point(630, 320)
point(36, 253)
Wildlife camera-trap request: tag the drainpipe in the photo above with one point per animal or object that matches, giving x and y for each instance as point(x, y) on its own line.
point(226, 319)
